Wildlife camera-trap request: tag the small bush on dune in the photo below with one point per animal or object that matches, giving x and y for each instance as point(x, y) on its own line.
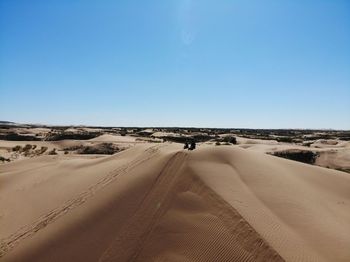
point(53, 152)
point(17, 148)
point(18, 137)
point(230, 140)
point(176, 139)
point(3, 159)
point(27, 147)
point(284, 139)
point(304, 156)
point(69, 135)
point(202, 138)
point(40, 151)
point(27, 150)
point(73, 148)
point(227, 140)
point(43, 149)
point(103, 149)
point(233, 140)
point(149, 140)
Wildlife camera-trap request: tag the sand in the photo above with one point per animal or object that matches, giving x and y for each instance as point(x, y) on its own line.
point(162, 203)
point(114, 138)
point(331, 153)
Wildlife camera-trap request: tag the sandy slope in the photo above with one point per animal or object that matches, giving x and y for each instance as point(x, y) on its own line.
point(114, 138)
point(161, 203)
point(332, 153)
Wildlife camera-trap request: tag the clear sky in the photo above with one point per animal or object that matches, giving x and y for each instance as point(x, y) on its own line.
point(206, 63)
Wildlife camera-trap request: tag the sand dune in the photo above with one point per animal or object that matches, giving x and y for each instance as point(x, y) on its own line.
point(331, 153)
point(161, 203)
point(114, 138)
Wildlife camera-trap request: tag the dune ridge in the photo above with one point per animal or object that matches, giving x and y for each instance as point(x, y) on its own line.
point(161, 203)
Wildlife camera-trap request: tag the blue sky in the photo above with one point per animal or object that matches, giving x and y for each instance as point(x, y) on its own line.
point(206, 63)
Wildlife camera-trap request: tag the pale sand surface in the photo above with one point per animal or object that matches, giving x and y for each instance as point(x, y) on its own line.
point(332, 153)
point(122, 142)
point(114, 138)
point(162, 203)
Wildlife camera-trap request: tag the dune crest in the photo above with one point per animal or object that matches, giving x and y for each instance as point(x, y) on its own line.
point(162, 203)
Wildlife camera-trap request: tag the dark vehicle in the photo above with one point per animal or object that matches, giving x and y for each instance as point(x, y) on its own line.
point(192, 146)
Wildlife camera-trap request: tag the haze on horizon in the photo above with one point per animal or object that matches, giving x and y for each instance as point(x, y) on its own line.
point(254, 64)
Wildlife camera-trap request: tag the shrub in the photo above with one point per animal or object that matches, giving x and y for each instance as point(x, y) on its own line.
point(43, 149)
point(53, 152)
point(230, 139)
point(150, 140)
point(3, 159)
point(304, 156)
point(17, 148)
point(18, 137)
point(217, 143)
point(104, 149)
point(285, 139)
point(27, 147)
point(73, 148)
point(176, 139)
point(69, 135)
point(202, 138)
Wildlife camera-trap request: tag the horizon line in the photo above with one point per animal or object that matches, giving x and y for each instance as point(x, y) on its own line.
point(182, 127)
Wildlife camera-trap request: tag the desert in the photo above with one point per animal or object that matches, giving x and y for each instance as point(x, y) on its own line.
point(145, 198)
point(175, 131)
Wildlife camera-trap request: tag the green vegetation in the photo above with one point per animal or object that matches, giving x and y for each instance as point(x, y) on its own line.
point(104, 149)
point(308, 157)
point(27, 147)
point(17, 148)
point(230, 140)
point(18, 137)
point(42, 150)
point(3, 159)
point(70, 135)
point(285, 139)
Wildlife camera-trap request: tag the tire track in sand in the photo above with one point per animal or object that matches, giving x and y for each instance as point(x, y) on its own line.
point(246, 244)
point(8, 243)
point(131, 238)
